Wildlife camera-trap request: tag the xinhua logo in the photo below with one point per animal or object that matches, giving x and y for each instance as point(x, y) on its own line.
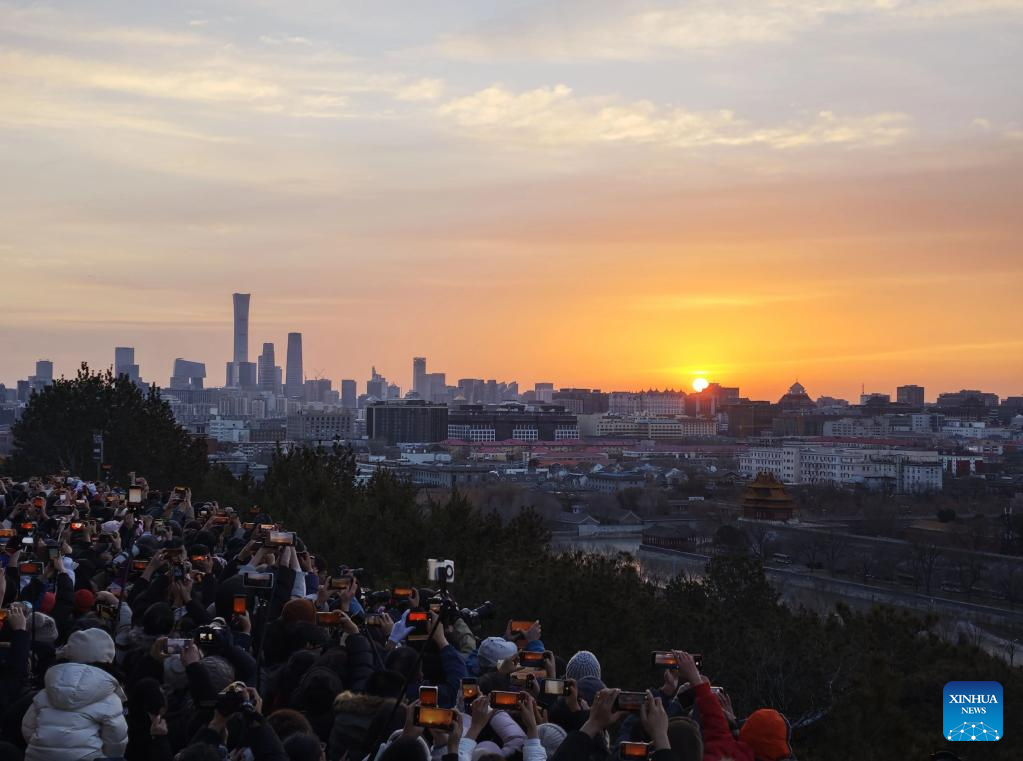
point(973, 711)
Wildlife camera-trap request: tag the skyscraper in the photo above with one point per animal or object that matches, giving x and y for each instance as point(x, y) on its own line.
point(911, 394)
point(293, 377)
point(241, 345)
point(241, 327)
point(44, 371)
point(419, 376)
point(544, 392)
point(349, 394)
point(267, 380)
point(124, 363)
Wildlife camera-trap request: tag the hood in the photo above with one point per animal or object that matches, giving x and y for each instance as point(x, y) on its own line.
point(70, 686)
point(359, 703)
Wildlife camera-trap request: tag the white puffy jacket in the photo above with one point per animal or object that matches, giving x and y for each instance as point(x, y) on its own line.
point(78, 715)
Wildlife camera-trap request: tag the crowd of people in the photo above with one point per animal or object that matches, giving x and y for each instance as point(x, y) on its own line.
point(138, 624)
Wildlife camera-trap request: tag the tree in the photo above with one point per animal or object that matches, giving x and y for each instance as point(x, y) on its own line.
point(56, 431)
point(925, 562)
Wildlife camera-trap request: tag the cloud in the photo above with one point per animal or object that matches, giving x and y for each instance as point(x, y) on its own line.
point(424, 89)
point(624, 30)
point(554, 116)
point(281, 39)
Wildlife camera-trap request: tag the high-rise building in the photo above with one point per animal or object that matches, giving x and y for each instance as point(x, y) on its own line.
point(236, 372)
point(267, 380)
point(419, 377)
point(544, 392)
point(187, 375)
point(293, 375)
point(435, 387)
point(124, 363)
point(410, 421)
point(44, 371)
point(912, 395)
point(241, 326)
point(376, 386)
point(349, 394)
point(317, 390)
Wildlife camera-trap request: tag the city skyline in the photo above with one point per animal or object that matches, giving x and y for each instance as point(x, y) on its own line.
point(619, 195)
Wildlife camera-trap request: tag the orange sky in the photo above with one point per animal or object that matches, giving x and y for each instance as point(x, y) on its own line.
point(830, 195)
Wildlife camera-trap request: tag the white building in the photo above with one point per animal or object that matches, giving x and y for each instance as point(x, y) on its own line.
point(655, 428)
point(903, 470)
point(227, 429)
point(651, 403)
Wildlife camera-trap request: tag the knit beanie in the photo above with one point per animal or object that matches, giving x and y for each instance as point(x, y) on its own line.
point(494, 649)
point(583, 663)
point(84, 600)
point(220, 671)
point(88, 646)
point(685, 739)
point(299, 609)
point(767, 732)
point(588, 687)
point(45, 628)
point(551, 736)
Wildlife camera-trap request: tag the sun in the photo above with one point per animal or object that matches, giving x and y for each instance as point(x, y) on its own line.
point(700, 384)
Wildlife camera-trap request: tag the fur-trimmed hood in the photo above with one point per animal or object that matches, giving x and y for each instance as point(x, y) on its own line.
point(359, 703)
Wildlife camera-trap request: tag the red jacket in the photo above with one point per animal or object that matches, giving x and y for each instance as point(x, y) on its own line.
point(718, 742)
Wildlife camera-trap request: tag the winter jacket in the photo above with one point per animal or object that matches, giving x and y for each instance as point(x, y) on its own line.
point(78, 715)
point(354, 713)
point(361, 661)
point(718, 741)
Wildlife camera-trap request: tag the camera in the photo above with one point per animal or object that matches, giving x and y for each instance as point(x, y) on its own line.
point(234, 698)
point(442, 571)
point(263, 582)
point(473, 616)
point(210, 636)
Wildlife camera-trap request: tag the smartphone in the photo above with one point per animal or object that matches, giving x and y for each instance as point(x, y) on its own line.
point(174, 646)
point(77, 526)
point(522, 626)
point(329, 617)
point(554, 687)
point(220, 520)
point(30, 568)
point(342, 583)
point(28, 526)
point(139, 565)
point(531, 658)
point(281, 539)
point(401, 593)
point(718, 690)
point(53, 552)
point(666, 659)
point(199, 558)
point(428, 697)
point(470, 689)
point(629, 701)
point(240, 604)
point(134, 495)
point(248, 526)
point(436, 718)
point(180, 491)
point(521, 677)
point(420, 623)
point(500, 699)
point(7, 533)
point(266, 528)
point(633, 750)
point(258, 580)
point(38, 502)
point(374, 620)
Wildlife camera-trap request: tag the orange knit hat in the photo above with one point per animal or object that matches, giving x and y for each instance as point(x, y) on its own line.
point(767, 733)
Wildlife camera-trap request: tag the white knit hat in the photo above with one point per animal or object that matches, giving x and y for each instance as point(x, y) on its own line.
point(88, 646)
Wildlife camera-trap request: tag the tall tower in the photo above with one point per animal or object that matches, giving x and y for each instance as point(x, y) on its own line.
point(419, 376)
point(267, 375)
point(294, 377)
point(241, 327)
point(124, 363)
